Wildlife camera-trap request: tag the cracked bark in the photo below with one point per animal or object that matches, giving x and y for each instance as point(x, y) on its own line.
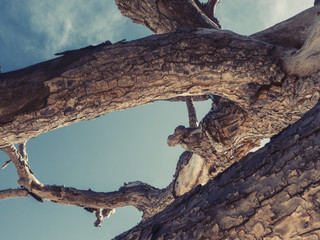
point(86, 84)
point(261, 83)
point(270, 194)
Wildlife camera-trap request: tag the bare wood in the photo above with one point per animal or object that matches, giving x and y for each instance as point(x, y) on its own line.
point(266, 95)
point(209, 9)
point(306, 60)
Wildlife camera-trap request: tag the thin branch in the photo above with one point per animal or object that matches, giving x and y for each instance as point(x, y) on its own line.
point(144, 197)
point(20, 160)
point(6, 164)
point(13, 193)
point(101, 214)
point(210, 8)
point(193, 122)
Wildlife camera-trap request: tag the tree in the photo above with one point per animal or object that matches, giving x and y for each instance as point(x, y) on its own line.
point(259, 85)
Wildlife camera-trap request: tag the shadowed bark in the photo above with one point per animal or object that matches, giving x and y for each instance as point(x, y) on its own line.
point(163, 16)
point(261, 85)
point(86, 84)
point(270, 194)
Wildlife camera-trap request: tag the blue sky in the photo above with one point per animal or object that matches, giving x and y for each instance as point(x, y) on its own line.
point(122, 146)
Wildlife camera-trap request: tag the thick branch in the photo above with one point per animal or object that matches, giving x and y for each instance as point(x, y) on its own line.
point(306, 60)
point(273, 192)
point(163, 16)
point(86, 84)
point(223, 137)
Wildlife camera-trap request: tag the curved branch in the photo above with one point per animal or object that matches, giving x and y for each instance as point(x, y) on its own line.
point(163, 16)
point(306, 61)
point(85, 84)
point(144, 197)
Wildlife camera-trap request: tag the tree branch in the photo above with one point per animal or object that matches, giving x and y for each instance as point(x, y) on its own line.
point(193, 122)
point(209, 9)
point(37, 99)
point(144, 197)
point(13, 193)
point(273, 191)
point(162, 16)
point(306, 60)
point(222, 138)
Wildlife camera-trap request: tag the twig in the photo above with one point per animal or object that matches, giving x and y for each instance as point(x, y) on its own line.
point(6, 164)
point(191, 113)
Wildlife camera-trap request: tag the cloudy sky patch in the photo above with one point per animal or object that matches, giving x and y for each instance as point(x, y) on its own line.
point(64, 24)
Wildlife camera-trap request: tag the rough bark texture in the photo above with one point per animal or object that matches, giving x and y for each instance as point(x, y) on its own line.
point(261, 83)
point(163, 16)
point(270, 194)
point(145, 198)
point(87, 83)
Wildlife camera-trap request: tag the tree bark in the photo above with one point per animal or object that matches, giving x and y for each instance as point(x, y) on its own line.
point(85, 84)
point(270, 194)
point(163, 16)
point(261, 83)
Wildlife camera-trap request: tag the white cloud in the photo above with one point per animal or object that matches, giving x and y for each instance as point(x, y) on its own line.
point(248, 16)
point(64, 24)
point(275, 11)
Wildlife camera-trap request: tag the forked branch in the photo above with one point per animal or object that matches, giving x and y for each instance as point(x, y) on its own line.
point(145, 198)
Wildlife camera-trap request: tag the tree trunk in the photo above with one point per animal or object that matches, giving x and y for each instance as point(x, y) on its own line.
point(270, 194)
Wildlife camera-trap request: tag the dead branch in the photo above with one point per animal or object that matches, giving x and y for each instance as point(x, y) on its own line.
point(276, 188)
point(193, 122)
point(13, 193)
point(164, 16)
point(110, 87)
point(209, 9)
point(6, 164)
point(144, 197)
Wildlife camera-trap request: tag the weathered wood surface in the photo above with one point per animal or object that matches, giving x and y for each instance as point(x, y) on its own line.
point(270, 194)
point(86, 84)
